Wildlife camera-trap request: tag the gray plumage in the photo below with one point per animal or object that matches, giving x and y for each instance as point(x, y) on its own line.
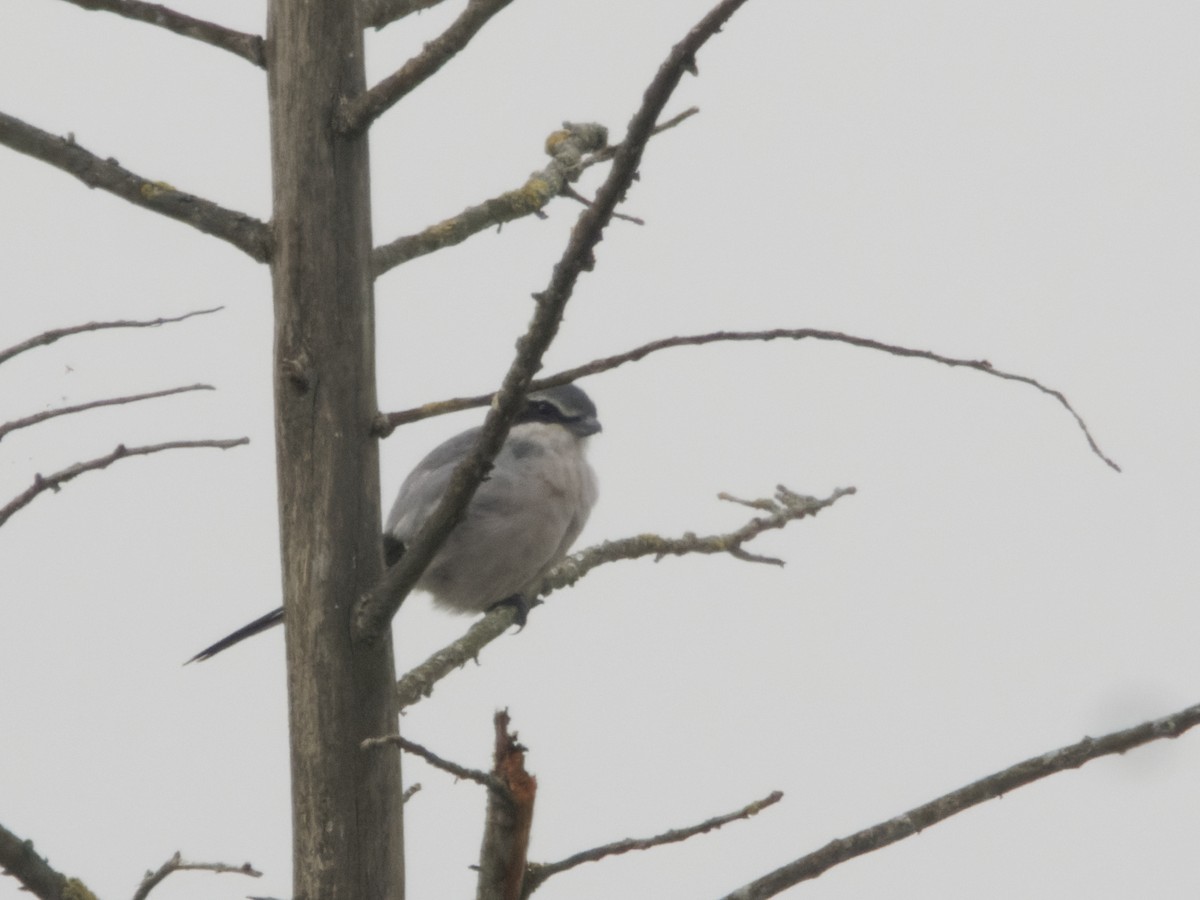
point(521, 521)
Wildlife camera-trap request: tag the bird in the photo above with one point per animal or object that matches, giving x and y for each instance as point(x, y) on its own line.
point(519, 524)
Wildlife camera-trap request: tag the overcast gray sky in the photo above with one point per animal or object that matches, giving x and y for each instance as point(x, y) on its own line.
point(1012, 181)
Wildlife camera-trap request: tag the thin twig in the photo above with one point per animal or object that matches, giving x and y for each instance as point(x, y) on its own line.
point(177, 864)
point(566, 149)
point(395, 740)
point(409, 792)
point(787, 507)
point(34, 419)
point(388, 422)
point(356, 114)
point(539, 872)
point(916, 820)
point(58, 479)
point(604, 154)
point(49, 337)
point(19, 859)
point(247, 233)
point(374, 611)
point(248, 46)
point(571, 194)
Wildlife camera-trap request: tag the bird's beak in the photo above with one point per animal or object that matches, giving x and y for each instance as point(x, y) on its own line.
point(587, 426)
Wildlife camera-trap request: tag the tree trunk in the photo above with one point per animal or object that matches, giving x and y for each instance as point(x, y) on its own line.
point(346, 812)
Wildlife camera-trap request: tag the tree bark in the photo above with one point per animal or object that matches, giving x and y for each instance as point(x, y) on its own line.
point(346, 816)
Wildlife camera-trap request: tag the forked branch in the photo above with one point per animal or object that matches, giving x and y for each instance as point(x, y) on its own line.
point(248, 46)
point(245, 232)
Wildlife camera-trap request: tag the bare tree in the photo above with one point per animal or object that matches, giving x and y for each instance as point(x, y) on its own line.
point(344, 696)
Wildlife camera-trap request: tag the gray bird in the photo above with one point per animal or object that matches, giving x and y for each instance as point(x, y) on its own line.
point(520, 523)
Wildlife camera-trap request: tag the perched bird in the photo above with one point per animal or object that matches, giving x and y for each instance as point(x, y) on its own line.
point(520, 523)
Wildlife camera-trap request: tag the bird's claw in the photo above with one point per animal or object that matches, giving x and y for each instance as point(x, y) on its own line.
point(521, 606)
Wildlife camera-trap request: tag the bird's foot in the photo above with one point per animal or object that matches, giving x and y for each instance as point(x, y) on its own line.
point(521, 606)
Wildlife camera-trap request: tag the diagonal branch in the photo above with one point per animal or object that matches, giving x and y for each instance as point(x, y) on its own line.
point(539, 872)
point(529, 199)
point(356, 114)
point(58, 479)
point(373, 613)
point(388, 422)
point(248, 46)
point(14, 425)
point(49, 337)
point(245, 232)
point(462, 772)
point(786, 507)
point(177, 864)
point(916, 820)
point(19, 859)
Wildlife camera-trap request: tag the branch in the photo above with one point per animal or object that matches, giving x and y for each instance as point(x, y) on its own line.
point(509, 817)
point(176, 864)
point(378, 13)
point(387, 423)
point(356, 114)
point(245, 232)
point(539, 872)
point(417, 683)
point(462, 772)
point(786, 507)
point(248, 46)
point(566, 149)
point(49, 337)
point(916, 820)
point(529, 199)
point(373, 613)
point(34, 419)
point(17, 858)
point(571, 194)
point(58, 479)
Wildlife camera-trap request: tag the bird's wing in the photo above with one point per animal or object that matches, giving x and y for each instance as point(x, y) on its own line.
point(424, 486)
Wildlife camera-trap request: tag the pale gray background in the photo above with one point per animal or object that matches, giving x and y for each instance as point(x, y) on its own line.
point(1016, 181)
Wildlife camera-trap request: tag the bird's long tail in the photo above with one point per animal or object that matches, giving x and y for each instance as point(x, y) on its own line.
point(270, 620)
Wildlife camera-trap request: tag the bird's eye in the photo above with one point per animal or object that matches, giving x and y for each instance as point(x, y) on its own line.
point(544, 409)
